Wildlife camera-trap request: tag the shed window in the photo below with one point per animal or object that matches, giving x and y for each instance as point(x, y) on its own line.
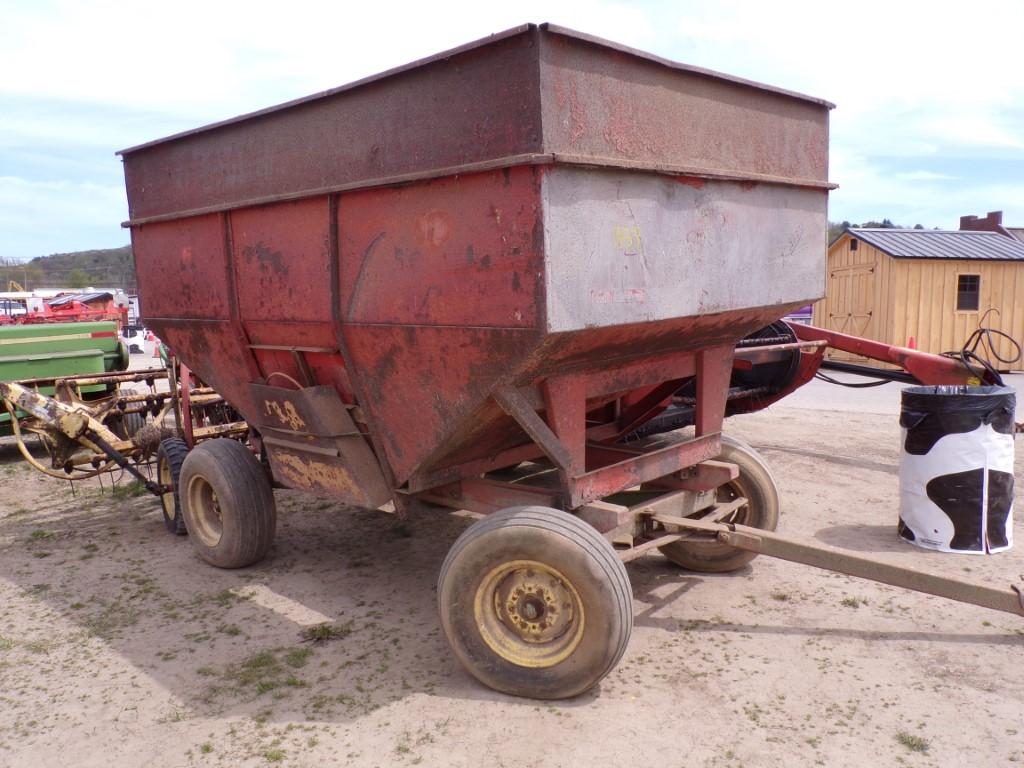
point(968, 287)
point(853, 244)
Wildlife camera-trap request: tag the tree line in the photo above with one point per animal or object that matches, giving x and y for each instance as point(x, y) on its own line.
point(106, 268)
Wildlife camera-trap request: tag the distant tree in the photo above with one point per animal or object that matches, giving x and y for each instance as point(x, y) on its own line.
point(836, 228)
point(78, 278)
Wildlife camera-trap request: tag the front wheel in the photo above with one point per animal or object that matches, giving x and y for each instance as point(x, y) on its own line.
point(170, 457)
point(534, 602)
point(756, 484)
point(227, 503)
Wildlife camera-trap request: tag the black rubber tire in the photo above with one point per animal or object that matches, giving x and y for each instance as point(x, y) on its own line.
point(756, 483)
point(227, 503)
point(170, 457)
point(126, 425)
point(133, 422)
point(573, 548)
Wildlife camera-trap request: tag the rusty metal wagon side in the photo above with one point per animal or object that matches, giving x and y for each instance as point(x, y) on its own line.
point(465, 281)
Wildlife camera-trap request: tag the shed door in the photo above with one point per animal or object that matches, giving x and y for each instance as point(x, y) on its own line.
point(851, 302)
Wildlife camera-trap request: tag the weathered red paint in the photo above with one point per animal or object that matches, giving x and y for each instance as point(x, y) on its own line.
point(387, 241)
point(925, 367)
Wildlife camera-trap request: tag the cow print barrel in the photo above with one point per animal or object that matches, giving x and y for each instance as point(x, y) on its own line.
point(956, 468)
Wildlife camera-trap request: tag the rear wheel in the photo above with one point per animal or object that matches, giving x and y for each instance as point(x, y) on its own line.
point(227, 504)
point(170, 457)
point(756, 484)
point(535, 602)
point(126, 425)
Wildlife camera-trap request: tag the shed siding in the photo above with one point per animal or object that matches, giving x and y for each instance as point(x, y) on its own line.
point(917, 298)
point(940, 327)
point(854, 300)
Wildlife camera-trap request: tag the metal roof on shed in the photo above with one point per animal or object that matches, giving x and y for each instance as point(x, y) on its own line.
point(941, 244)
point(84, 298)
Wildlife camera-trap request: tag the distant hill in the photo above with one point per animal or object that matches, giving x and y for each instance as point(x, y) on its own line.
point(107, 268)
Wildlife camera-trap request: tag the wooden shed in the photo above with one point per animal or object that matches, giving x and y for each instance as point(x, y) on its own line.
point(925, 288)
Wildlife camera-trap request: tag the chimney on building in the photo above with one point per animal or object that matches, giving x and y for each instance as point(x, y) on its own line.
point(993, 222)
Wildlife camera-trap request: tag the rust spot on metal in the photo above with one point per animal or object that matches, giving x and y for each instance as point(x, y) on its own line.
point(691, 181)
point(266, 258)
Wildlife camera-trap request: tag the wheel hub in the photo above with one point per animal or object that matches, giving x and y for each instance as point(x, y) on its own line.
point(534, 605)
point(205, 508)
point(529, 613)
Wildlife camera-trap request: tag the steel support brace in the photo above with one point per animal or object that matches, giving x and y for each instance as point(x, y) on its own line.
point(646, 467)
point(925, 367)
point(828, 558)
point(516, 406)
point(565, 399)
point(714, 369)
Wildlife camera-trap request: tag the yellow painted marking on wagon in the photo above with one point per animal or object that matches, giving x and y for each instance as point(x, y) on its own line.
point(285, 413)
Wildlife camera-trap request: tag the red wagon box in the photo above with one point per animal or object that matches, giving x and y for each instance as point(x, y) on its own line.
point(507, 255)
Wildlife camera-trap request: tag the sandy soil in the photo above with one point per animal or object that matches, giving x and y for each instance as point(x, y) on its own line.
point(118, 647)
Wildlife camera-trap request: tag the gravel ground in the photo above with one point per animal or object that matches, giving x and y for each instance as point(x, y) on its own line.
point(118, 647)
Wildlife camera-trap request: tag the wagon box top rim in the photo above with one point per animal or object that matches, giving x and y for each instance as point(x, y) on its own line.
point(546, 27)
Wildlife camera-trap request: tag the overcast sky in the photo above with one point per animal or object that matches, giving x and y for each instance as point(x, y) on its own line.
point(929, 123)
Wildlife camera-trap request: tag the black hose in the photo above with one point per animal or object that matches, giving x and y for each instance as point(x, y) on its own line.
point(985, 337)
point(850, 384)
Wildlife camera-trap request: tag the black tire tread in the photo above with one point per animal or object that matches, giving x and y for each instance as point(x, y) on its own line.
point(689, 555)
point(174, 451)
point(243, 488)
point(573, 530)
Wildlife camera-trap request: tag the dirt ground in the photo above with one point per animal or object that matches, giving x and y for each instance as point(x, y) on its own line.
point(118, 647)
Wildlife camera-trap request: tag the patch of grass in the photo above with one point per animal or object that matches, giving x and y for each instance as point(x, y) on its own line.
point(322, 633)
point(5, 644)
point(853, 602)
point(39, 534)
point(224, 598)
point(205, 748)
point(113, 617)
point(274, 755)
point(912, 742)
point(129, 490)
point(297, 657)
point(782, 597)
point(41, 554)
point(261, 660)
point(229, 629)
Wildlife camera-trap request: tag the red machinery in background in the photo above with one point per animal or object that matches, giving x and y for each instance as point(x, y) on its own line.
point(77, 308)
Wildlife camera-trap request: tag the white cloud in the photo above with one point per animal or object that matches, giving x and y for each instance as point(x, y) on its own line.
point(912, 79)
point(65, 216)
point(923, 176)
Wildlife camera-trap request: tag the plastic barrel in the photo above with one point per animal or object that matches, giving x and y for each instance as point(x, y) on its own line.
point(956, 468)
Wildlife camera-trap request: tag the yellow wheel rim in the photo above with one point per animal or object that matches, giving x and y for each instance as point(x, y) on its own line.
point(529, 613)
point(205, 509)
